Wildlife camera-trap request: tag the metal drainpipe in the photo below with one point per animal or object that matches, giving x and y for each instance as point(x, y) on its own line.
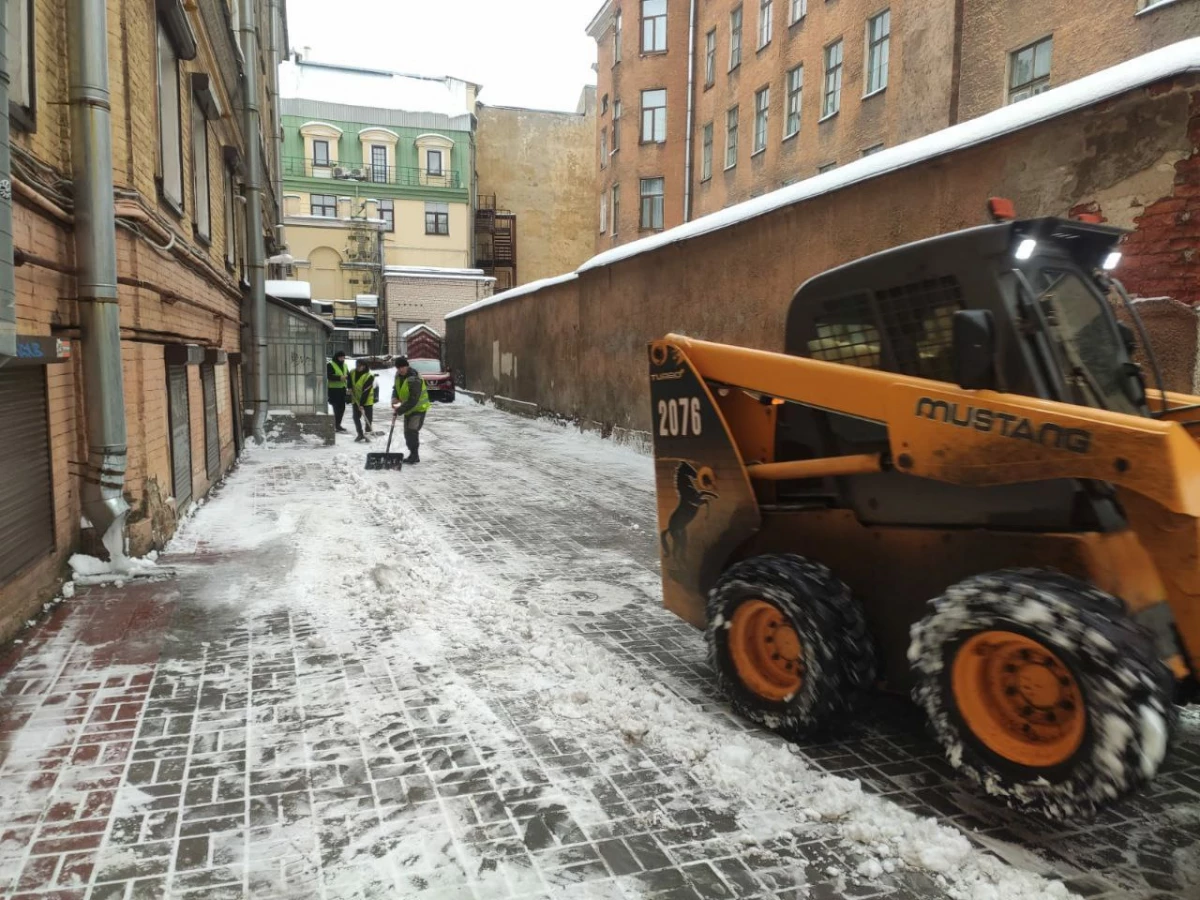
point(687, 158)
point(255, 249)
point(96, 270)
point(8, 300)
point(276, 59)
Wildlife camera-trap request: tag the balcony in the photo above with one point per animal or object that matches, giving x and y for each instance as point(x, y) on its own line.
point(400, 176)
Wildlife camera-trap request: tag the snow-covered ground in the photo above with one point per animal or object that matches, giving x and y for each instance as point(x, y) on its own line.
point(463, 672)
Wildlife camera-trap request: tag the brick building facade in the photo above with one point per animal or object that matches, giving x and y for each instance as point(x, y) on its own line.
point(181, 265)
point(782, 90)
point(423, 296)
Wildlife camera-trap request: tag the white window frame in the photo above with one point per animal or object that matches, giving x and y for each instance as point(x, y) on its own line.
point(873, 149)
point(766, 22)
point(706, 151)
point(201, 196)
point(441, 214)
point(762, 116)
point(657, 121)
point(794, 81)
point(654, 27)
point(710, 58)
point(170, 120)
point(20, 50)
point(1038, 83)
point(616, 127)
point(826, 167)
point(230, 218)
point(878, 53)
point(832, 86)
point(657, 204)
point(604, 148)
point(798, 11)
point(603, 211)
point(736, 21)
point(617, 38)
point(731, 137)
point(616, 208)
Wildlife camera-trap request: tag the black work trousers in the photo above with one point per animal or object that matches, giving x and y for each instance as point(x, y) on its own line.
point(337, 399)
point(360, 413)
point(412, 432)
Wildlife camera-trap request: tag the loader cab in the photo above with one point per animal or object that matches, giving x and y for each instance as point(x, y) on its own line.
point(1032, 304)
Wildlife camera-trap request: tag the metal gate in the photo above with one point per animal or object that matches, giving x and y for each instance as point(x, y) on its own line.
point(181, 435)
point(26, 493)
point(212, 434)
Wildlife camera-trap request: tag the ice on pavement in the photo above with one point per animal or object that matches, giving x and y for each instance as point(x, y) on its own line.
point(444, 613)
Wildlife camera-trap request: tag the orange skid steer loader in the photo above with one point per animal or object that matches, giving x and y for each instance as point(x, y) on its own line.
point(955, 482)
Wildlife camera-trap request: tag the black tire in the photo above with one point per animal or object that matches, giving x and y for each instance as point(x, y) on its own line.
point(1124, 687)
point(837, 652)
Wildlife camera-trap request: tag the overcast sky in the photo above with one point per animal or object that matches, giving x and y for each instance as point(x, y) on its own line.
point(524, 52)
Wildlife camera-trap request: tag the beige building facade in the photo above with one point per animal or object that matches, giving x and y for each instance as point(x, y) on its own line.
point(535, 172)
point(783, 90)
point(177, 178)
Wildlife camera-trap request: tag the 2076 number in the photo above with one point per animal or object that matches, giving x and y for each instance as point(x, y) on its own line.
point(679, 418)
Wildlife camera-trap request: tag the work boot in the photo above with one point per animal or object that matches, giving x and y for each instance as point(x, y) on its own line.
point(360, 439)
point(341, 430)
point(412, 459)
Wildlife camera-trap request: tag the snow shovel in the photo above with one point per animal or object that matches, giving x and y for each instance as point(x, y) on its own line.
point(386, 460)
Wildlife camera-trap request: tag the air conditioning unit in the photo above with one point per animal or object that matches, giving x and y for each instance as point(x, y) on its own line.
point(339, 172)
point(357, 174)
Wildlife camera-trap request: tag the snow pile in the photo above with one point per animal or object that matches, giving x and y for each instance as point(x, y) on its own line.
point(119, 567)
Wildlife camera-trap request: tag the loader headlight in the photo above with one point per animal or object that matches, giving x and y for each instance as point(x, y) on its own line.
point(1025, 248)
point(1111, 261)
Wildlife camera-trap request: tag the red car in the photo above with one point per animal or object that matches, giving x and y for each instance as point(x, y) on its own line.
point(439, 382)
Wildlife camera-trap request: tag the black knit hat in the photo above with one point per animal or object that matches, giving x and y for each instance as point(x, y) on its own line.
point(401, 361)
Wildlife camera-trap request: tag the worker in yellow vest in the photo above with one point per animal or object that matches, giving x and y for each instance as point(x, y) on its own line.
point(363, 394)
point(410, 398)
point(337, 373)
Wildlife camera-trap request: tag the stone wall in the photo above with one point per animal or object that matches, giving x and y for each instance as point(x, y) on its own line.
point(577, 348)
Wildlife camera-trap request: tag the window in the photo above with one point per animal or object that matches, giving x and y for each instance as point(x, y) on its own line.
point(169, 129)
point(762, 107)
point(706, 145)
point(879, 32)
point(230, 220)
point(731, 138)
point(872, 149)
point(19, 50)
point(603, 148)
point(617, 38)
point(654, 26)
point(433, 161)
point(379, 164)
point(616, 207)
point(437, 218)
point(654, 117)
point(604, 105)
point(710, 58)
point(1029, 70)
point(799, 10)
point(832, 101)
point(766, 9)
point(616, 137)
point(652, 204)
point(324, 205)
point(201, 223)
point(795, 85)
point(603, 213)
point(735, 39)
point(387, 212)
point(320, 153)
point(828, 167)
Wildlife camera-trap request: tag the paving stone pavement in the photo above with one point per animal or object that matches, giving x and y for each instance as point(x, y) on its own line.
point(204, 736)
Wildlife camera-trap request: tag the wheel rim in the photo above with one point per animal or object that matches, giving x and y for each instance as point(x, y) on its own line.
point(766, 650)
point(1019, 698)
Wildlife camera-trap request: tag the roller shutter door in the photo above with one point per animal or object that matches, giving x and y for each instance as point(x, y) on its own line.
point(26, 492)
point(212, 434)
point(181, 435)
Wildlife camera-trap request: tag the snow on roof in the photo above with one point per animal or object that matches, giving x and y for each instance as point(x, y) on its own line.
point(290, 290)
point(520, 291)
point(366, 300)
point(417, 328)
point(370, 87)
point(1175, 59)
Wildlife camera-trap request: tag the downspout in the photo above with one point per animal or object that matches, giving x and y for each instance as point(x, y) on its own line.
point(687, 153)
point(8, 300)
point(276, 59)
point(96, 271)
point(255, 250)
